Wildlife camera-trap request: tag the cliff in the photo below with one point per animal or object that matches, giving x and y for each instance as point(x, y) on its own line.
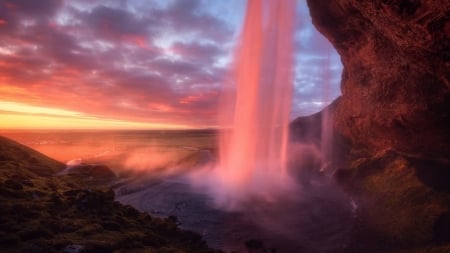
point(394, 113)
point(395, 83)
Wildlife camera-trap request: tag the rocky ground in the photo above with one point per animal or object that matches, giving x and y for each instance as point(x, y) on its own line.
point(44, 211)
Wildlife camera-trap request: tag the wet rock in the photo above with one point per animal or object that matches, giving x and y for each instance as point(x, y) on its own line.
point(73, 248)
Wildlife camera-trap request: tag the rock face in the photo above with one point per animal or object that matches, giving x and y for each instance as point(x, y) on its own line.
point(395, 111)
point(395, 82)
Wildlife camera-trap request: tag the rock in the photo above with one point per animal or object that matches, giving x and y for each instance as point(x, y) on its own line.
point(72, 192)
point(9, 239)
point(12, 184)
point(94, 171)
point(23, 180)
point(395, 83)
point(112, 226)
point(102, 171)
point(307, 130)
point(4, 158)
point(73, 248)
point(441, 229)
point(33, 233)
point(395, 111)
point(93, 201)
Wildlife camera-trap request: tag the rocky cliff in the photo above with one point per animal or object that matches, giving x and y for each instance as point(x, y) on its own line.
point(395, 82)
point(395, 114)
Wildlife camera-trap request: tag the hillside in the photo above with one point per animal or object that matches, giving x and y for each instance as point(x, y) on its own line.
point(46, 212)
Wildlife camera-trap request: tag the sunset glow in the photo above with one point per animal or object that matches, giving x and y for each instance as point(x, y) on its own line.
point(52, 122)
point(139, 64)
point(14, 107)
point(22, 116)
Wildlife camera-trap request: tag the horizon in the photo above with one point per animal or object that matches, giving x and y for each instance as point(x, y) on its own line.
point(42, 130)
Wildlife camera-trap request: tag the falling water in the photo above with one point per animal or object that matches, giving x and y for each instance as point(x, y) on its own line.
point(326, 124)
point(252, 160)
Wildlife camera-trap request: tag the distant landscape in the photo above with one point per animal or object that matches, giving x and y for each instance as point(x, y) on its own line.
point(121, 150)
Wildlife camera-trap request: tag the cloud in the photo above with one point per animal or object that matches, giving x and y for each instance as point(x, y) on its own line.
point(187, 17)
point(318, 68)
point(205, 53)
point(154, 61)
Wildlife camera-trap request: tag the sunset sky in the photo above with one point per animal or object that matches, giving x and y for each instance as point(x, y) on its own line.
point(135, 64)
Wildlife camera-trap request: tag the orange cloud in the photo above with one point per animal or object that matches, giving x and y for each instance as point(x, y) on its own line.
point(160, 107)
point(198, 97)
point(105, 66)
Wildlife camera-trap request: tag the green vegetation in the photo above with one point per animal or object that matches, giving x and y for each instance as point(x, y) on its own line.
point(399, 207)
point(45, 212)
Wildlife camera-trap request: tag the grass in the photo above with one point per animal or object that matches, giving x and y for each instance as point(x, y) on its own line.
point(399, 211)
point(42, 212)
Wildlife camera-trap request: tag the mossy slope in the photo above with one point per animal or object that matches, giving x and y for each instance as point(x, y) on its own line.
point(404, 203)
point(42, 211)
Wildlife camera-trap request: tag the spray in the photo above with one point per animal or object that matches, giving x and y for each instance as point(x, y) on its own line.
point(253, 151)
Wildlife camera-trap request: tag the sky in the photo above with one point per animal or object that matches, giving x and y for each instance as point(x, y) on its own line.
point(137, 64)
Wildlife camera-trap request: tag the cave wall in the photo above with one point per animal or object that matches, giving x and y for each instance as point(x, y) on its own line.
point(395, 82)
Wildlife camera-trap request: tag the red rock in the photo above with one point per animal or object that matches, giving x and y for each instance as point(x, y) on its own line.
point(395, 83)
